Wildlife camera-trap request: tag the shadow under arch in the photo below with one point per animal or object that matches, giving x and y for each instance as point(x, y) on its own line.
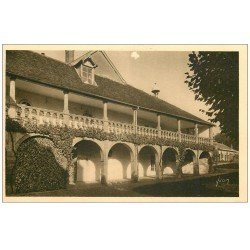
point(169, 158)
point(205, 162)
point(120, 157)
point(88, 160)
point(188, 162)
point(148, 158)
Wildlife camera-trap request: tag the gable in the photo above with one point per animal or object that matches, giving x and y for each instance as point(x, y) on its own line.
point(103, 65)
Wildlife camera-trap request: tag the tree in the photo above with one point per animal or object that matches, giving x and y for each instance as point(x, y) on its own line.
point(214, 78)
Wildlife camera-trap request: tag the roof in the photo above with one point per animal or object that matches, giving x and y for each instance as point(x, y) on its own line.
point(221, 146)
point(90, 53)
point(35, 67)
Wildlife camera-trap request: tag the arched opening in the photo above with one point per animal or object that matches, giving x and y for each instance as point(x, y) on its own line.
point(169, 161)
point(147, 161)
point(88, 161)
point(188, 165)
point(119, 162)
point(204, 162)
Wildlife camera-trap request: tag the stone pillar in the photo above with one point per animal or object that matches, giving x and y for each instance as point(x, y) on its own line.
point(104, 167)
point(196, 164)
point(196, 131)
point(158, 164)
point(159, 125)
point(12, 108)
point(135, 119)
point(66, 107)
point(134, 165)
point(105, 115)
point(179, 129)
point(211, 135)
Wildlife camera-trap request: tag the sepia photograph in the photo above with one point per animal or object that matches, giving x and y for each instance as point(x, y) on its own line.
point(124, 123)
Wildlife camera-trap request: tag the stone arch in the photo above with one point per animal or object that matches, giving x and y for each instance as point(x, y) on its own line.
point(128, 145)
point(28, 136)
point(188, 161)
point(120, 158)
point(205, 162)
point(148, 160)
point(87, 157)
point(169, 161)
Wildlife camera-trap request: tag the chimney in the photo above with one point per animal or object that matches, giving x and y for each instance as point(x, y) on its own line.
point(69, 56)
point(155, 90)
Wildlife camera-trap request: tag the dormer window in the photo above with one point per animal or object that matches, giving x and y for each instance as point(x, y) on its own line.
point(86, 70)
point(87, 74)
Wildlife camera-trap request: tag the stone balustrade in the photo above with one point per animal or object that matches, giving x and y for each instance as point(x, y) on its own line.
point(188, 138)
point(147, 131)
point(120, 128)
point(83, 122)
point(45, 116)
point(174, 136)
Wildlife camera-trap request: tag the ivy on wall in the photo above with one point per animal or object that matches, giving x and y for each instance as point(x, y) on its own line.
point(36, 167)
point(63, 137)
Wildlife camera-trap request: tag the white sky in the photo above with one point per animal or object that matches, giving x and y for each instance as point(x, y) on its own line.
point(143, 68)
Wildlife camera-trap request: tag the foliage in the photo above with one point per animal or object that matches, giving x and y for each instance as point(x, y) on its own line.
point(37, 168)
point(63, 137)
point(224, 139)
point(214, 78)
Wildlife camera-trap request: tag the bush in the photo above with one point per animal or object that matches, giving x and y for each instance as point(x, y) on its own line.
point(37, 168)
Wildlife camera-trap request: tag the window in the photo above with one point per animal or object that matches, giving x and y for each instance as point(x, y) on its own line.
point(87, 74)
point(25, 102)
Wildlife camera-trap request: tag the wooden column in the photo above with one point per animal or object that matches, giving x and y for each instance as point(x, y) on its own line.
point(12, 108)
point(211, 135)
point(196, 131)
point(159, 125)
point(179, 129)
point(135, 114)
point(66, 107)
point(66, 101)
point(105, 115)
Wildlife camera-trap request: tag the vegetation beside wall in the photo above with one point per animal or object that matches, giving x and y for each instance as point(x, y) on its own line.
point(36, 167)
point(62, 134)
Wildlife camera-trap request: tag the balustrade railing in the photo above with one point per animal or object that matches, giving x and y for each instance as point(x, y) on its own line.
point(29, 114)
point(83, 122)
point(147, 131)
point(120, 128)
point(188, 138)
point(39, 116)
point(169, 135)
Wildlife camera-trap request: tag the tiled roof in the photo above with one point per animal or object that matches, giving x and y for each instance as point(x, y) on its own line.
point(36, 67)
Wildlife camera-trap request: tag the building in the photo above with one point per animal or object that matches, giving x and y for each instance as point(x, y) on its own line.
point(225, 153)
point(117, 131)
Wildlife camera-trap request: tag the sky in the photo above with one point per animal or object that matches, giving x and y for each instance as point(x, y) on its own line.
point(144, 68)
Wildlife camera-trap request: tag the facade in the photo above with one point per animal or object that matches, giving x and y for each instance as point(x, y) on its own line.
point(225, 153)
point(119, 131)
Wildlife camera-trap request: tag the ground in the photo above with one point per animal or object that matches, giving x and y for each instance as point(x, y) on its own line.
point(223, 183)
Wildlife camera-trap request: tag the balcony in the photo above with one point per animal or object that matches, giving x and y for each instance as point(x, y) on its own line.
point(44, 116)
